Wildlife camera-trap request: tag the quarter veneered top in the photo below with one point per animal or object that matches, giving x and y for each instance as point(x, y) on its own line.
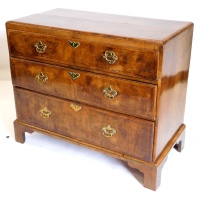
point(108, 24)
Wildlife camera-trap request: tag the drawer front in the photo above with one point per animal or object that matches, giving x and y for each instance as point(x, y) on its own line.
point(102, 57)
point(124, 96)
point(126, 135)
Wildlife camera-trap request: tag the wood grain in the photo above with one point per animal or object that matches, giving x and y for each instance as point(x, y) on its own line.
point(133, 98)
point(105, 24)
point(172, 88)
point(134, 137)
point(132, 63)
point(150, 77)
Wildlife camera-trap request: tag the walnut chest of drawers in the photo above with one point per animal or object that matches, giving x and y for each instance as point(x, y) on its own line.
point(115, 84)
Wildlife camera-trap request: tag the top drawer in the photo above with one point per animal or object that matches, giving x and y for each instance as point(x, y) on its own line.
point(67, 51)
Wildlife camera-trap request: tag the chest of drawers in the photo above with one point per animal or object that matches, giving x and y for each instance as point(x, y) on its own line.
point(115, 84)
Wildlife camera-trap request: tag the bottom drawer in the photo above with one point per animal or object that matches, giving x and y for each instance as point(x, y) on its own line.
point(121, 133)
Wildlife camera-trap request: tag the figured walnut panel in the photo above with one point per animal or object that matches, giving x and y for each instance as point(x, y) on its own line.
point(131, 62)
point(133, 98)
point(133, 137)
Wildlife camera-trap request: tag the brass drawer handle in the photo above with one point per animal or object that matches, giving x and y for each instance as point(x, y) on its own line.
point(74, 75)
point(41, 78)
point(109, 93)
point(40, 47)
point(45, 113)
point(75, 107)
point(108, 131)
point(73, 44)
point(110, 57)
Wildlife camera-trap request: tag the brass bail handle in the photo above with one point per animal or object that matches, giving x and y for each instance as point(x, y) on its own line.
point(109, 93)
point(41, 78)
point(110, 57)
point(45, 113)
point(40, 47)
point(108, 131)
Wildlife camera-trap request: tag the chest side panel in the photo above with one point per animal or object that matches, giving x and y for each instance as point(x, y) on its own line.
point(173, 86)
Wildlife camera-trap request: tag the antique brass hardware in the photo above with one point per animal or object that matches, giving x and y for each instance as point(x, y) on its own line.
point(110, 57)
point(73, 44)
point(108, 131)
point(41, 78)
point(74, 75)
point(40, 47)
point(45, 113)
point(75, 107)
point(109, 93)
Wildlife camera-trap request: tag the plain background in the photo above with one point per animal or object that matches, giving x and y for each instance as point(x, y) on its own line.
point(49, 167)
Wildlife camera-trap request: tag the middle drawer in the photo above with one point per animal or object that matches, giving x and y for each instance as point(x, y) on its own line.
point(124, 96)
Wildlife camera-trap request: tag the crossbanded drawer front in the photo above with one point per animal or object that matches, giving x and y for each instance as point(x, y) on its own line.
point(125, 134)
point(67, 51)
point(119, 95)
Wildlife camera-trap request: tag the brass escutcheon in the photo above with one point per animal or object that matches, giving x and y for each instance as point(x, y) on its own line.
point(110, 57)
point(108, 131)
point(74, 75)
point(45, 113)
point(75, 107)
point(40, 47)
point(73, 44)
point(109, 93)
point(41, 78)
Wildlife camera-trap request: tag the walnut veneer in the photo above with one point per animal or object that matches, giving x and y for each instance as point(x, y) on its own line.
point(115, 84)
